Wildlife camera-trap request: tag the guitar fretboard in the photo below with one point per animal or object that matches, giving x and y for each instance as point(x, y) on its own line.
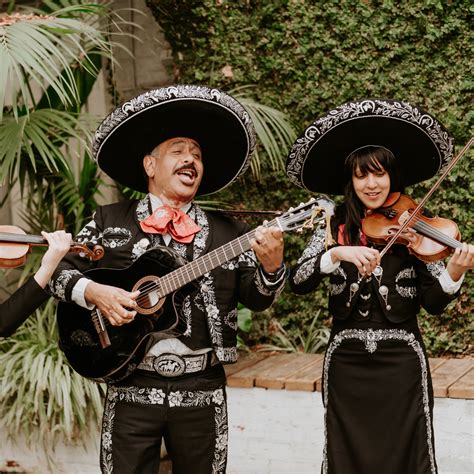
point(197, 268)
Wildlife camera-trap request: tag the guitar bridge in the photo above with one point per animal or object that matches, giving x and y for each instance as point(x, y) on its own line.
point(99, 325)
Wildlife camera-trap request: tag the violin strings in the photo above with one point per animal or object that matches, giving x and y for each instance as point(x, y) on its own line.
point(435, 233)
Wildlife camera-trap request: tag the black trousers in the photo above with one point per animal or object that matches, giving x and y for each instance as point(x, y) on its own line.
point(188, 412)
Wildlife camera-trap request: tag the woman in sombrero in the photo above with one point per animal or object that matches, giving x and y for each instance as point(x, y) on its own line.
point(377, 388)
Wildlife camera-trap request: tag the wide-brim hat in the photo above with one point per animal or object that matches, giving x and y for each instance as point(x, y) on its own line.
point(421, 145)
point(218, 122)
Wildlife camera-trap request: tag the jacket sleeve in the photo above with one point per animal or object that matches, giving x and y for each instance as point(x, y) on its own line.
point(432, 296)
point(255, 291)
point(73, 266)
point(16, 309)
point(306, 275)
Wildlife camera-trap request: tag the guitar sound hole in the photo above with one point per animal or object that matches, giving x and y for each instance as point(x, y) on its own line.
point(149, 299)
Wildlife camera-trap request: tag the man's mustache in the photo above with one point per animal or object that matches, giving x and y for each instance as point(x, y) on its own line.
point(187, 167)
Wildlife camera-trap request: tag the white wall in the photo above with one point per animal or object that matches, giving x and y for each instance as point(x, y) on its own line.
point(276, 431)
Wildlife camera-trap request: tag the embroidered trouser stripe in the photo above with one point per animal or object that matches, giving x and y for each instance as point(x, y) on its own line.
point(192, 422)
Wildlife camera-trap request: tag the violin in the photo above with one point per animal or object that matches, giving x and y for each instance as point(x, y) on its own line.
point(435, 237)
point(15, 245)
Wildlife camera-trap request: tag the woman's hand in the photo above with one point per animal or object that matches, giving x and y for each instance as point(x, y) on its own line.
point(364, 258)
point(461, 261)
point(59, 244)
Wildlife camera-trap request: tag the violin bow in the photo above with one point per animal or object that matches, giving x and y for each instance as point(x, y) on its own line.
point(435, 186)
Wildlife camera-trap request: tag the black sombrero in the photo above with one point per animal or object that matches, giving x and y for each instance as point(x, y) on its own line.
point(220, 124)
point(421, 145)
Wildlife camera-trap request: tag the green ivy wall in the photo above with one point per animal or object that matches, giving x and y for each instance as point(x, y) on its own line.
point(306, 57)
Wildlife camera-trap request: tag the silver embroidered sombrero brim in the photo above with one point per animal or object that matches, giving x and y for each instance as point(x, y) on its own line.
point(218, 122)
point(420, 144)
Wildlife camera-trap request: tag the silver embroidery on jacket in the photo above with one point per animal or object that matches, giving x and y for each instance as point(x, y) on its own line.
point(370, 338)
point(337, 289)
point(88, 234)
point(200, 239)
point(59, 285)
point(143, 208)
point(139, 248)
point(309, 256)
point(186, 312)
point(113, 237)
point(435, 268)
point(406, 291)
point(231, 319)
point(208, 293)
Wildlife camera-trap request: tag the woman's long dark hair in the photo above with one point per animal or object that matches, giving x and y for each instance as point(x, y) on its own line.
point(367, 159)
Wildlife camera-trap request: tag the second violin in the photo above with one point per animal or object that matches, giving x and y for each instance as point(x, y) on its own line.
point(15, 245)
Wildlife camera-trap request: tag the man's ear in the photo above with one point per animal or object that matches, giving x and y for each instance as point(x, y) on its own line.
point(149, 165)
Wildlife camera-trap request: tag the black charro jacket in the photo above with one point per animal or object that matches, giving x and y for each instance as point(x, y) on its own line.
point(16, 309)
point(405, 285)
point(116, 227)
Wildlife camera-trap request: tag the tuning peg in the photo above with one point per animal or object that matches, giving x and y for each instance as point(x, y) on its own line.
point(291, 209)
point(301, 204)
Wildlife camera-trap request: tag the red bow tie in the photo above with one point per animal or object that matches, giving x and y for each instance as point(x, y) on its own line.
point(166, 220)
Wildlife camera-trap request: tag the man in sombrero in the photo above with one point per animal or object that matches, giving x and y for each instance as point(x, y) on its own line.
point(174, 143)
point(376, 383)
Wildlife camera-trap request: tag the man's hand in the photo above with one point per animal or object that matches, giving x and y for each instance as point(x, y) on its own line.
point(114, 303)
point(268, 247)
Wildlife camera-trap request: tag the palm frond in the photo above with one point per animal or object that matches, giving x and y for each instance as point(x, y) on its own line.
point(38, 137)
point(274, 130)
point(37, 49)
point(41, 50)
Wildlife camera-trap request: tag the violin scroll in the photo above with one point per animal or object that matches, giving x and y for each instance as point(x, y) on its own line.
point(94, 254)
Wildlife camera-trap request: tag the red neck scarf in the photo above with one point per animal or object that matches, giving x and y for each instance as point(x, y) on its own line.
point(176, 223)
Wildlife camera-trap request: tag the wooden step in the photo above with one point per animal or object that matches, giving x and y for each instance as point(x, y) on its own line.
point(296, 371)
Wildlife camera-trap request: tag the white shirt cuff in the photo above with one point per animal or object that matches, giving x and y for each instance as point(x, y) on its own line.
point(327, 265)
point(278, 281)
point(78, 291)
point(448, 285)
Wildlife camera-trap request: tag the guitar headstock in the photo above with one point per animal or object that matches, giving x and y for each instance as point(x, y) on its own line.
point(307, 214)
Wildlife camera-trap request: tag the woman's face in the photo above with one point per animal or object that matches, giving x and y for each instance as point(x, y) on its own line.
point(371, 187)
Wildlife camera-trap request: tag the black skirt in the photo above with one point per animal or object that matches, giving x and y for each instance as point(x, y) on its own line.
point(378, 398)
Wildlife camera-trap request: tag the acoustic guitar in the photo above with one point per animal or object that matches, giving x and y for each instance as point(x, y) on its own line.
point(102, 352)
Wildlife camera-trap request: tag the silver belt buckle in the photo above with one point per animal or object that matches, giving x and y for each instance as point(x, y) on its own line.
point(169, 365)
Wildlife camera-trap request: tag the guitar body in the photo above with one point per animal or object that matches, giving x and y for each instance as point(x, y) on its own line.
point(78, 337)
point(158, 272)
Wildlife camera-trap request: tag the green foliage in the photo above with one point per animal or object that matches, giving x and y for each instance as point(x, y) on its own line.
point(41, 396)
point(305, 58)
point(42, 139)
point(309, 339)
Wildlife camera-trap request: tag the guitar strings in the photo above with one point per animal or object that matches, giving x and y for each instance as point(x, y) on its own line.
point(177, 278)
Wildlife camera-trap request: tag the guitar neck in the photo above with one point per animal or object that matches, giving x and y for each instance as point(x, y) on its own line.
point(197, 268)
